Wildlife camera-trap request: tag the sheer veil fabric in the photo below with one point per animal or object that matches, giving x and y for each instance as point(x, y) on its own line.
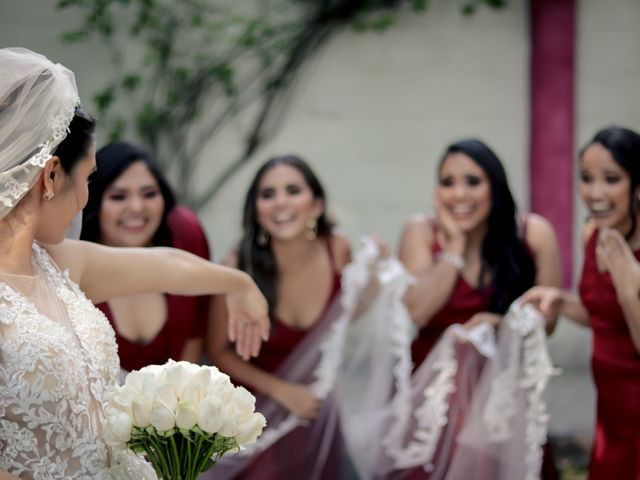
point(474, 408)
point(316, 362)
point(37, 102)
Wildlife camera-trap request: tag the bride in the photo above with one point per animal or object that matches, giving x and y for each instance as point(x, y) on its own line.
point(58, 357)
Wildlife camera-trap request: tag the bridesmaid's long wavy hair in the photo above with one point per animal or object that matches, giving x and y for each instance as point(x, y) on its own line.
point(111, 162)
point(624, 146)
point(504, 252)
point(256, 259)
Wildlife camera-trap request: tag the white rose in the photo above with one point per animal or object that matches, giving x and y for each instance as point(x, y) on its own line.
point(243, 399)
point(117, 429)
point(141, 412)
point(209, 419)
point(166, 393)
point(122, 397)
point(250, 428)
point(230, 414)
point(155, 370)
point(224, 391)
point(179, 374)
point(162, 417)
point(216, 375)
point(186, 415)
point(203, 380)
point(144, 382)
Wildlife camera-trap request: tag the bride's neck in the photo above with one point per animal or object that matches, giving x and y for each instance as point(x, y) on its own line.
point(17, 234)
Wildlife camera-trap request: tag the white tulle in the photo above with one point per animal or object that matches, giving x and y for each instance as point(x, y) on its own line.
point(37, 103)
point(474, 408)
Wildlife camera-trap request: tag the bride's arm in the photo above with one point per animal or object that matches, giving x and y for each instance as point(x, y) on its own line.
point(105, 272)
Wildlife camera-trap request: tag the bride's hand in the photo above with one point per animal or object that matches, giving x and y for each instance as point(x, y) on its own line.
point(248, 320)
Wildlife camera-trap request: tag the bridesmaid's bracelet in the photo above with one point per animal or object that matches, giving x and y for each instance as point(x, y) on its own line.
point(452, 258)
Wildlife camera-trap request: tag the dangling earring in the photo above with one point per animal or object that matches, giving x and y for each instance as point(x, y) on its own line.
point(48, 195)
point(312, 229)
point(262, 239)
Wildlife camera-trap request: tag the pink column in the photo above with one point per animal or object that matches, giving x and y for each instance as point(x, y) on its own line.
point(552, 156)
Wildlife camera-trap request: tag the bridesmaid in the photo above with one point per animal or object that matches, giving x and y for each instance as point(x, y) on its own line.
point(475, 257)
point(131, 205)
point(609, 298)
point(289, 248)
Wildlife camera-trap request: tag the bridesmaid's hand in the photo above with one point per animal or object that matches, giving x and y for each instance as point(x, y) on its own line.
point(455, 240)
point(298, 399)
point(248, 320)
point(616, 256)
point(479, 318)
point(548, 300)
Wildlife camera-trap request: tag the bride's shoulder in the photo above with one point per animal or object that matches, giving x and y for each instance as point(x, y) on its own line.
point(67, 255)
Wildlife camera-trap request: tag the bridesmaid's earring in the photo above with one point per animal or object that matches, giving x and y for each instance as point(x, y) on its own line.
point(262, 239)
point(312, 229)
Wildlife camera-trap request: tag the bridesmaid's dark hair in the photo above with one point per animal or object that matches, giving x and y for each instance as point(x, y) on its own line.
point(624, 146)
point(111, 161)
point(258, 260)
point(506, 255)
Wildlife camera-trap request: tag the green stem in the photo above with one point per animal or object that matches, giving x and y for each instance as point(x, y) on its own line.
point(196, 456)
point(211, 449)
point(176, 458)
point(187, 466)
point(155, 462)
point(160, 452)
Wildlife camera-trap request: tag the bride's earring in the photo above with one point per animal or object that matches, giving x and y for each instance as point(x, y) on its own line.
point(312, 229)
point(262, 239)
point(48, 195)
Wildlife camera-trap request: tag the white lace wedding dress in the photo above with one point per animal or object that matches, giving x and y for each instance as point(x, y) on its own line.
point(58, 360)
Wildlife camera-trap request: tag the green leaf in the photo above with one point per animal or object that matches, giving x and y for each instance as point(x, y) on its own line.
point(118, 129)
point(61, 4)
point(496, 3)
point(130, 82)
point(75, 36)
point(419, 5)
point(224, 73)
point(383, 22)
point(468, 9)
point(103, 99)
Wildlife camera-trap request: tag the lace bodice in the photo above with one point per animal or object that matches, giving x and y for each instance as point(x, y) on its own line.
point(58, 360)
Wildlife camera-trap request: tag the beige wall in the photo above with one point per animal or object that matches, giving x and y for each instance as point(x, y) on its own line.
point(373, 113)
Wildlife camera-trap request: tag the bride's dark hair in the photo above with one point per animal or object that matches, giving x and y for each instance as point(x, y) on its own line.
point(257, 259)
point(504, 251)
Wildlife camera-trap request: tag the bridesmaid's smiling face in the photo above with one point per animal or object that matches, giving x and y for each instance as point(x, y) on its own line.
point(464, 191)
point(285, 203)
point(132, 208)
point(604, 187)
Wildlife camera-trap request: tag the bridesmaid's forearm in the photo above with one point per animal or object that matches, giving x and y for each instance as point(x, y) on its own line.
point(573, 308)
point(431, 291)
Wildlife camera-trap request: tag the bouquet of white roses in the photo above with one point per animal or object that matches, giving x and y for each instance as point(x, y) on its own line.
point(182, 416)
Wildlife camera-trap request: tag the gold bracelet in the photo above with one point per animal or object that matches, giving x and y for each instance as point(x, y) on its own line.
point(452, 258)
